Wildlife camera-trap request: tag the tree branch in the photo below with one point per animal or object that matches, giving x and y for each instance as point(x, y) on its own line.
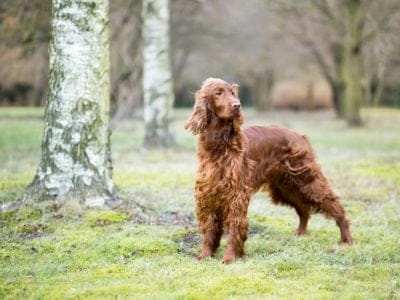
point(326, 10)
point(309, 43)
point(382, 23)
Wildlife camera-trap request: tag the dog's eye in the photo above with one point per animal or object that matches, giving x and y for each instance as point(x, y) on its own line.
point(233, 93)
point(219, 93)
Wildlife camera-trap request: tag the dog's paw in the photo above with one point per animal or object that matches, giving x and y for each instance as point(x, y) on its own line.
point(204, 255)
point(300, 232)
point(348, 240)
point(228, 258)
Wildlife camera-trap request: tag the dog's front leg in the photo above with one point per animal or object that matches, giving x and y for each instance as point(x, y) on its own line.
point(211, 231)
point(236, 237)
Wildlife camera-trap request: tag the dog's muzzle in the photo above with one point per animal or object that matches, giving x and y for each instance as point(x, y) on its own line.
point(236, 106)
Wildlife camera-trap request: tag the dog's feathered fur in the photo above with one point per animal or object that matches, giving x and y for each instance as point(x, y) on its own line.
point(236, 163)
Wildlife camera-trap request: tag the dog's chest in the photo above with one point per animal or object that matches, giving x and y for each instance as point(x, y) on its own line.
point(221, 175)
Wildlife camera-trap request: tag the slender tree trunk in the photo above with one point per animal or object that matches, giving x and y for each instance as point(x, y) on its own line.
point(338, 97)
point(337, 81)
point(352, 67)
point(368, 88)
point(75, 164)
point(157, 75)
point(262, 88)
point(377, 93)
point(127, 62)
point(379, 85)
point(310, 103)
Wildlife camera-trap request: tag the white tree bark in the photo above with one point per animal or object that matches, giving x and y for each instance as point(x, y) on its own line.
point(75, 147)
point(157, 76)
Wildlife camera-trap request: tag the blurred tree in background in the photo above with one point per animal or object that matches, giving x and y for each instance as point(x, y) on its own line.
point(286, 54)
point(339, 36)
point(126, 58)
point(157, 74)
point(24, 37)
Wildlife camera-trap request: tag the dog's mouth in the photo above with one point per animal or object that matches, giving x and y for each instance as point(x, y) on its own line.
point(230, 116)
point(236, 113)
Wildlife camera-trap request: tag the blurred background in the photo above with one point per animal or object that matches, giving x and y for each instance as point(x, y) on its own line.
point(284, 54)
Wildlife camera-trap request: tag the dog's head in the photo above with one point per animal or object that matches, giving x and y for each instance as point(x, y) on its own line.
point(216, 99)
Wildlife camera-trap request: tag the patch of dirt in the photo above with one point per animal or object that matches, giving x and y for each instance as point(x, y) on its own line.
point(31, 231)
point(189, 243)
point(173, 218)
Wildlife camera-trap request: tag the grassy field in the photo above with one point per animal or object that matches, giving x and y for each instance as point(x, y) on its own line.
point(145, 249)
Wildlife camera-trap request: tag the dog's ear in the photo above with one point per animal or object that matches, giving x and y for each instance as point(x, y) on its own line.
point(199, 118)
point(235, 89)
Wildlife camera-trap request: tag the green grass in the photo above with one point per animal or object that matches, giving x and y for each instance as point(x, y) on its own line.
point(146, 248)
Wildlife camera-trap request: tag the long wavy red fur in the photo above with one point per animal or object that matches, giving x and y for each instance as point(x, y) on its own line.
point(236, 163)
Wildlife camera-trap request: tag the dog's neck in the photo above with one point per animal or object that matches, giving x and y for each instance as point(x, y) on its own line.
point(223, 133)
point(221, 136)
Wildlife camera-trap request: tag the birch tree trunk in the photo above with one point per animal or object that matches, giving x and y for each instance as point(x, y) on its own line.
point(157, 74)
point(75, 163)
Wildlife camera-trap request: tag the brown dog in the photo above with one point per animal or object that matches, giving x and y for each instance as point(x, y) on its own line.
point(235, 163)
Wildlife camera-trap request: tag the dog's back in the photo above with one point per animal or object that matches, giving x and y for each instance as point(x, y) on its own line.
point(269, 140)
point(277, 150)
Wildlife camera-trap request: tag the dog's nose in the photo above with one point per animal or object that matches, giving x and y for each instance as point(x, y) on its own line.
point(236, 105)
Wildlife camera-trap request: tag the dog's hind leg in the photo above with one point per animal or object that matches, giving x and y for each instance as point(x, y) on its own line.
point(304, 215)
point(332, 208)
point(303, 211)
point(322, 197)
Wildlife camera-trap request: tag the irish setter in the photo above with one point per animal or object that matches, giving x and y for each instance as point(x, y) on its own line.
point(236, 163)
